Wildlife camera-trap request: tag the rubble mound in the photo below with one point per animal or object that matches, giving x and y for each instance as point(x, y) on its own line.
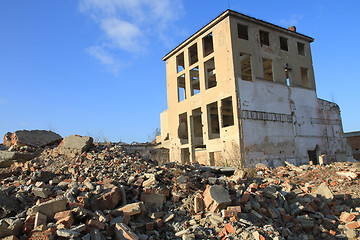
point(103, 192)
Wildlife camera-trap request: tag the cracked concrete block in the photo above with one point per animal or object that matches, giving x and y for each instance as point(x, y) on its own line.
point(75, 144)
point(49, 208)
point(34, 138)
point(216, 198)
point(324, 192)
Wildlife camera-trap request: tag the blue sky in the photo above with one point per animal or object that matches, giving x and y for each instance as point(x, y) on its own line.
point(93, 67)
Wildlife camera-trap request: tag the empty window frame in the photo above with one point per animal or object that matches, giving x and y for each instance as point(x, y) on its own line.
point(180, 64)
point(183, 129)
point(283, 43)
point(301, 48)
point(193, 54)
point(243, 31)
point(264, 38)
point(181, 88)
point(210, 73)
point(267, 68)
point(213, 120)
point(227, 114)
point(304, 77)
point(197, 127)
point(245, 65)
point(194, 81)
point(208, 44)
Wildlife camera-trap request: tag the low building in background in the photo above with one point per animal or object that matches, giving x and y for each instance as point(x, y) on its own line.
point(353, 139)
point(241, 91)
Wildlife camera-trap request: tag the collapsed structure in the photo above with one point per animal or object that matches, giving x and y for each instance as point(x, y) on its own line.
point(242, 91)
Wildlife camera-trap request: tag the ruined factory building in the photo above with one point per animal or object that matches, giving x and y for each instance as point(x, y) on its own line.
point(242, 91)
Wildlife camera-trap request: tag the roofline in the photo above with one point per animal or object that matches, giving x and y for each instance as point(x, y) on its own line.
point(222, 16)
point(352, 134)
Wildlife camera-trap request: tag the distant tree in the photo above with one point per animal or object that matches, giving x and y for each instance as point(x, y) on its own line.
point(152, 136)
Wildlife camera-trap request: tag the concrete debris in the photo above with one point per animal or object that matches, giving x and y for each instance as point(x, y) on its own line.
point(34, 138)
point(106, 193)
point(75, 144)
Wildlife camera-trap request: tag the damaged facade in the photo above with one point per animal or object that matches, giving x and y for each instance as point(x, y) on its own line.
point(242, 91)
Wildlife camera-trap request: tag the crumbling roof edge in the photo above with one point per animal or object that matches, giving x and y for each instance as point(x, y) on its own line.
point(223, 15)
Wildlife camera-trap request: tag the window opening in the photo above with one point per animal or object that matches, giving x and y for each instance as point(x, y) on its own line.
point(243, 31)
point(183, 129)
point(181, 88)
point(304, 77)
point(194, 81)
point(185, 156)
point(245, 64)
point(193, 54)
point(264, 38)
point(197, 127)
point(283, 43)
point(213, 120)
point(180, 62)
point(267, 67)
point(208, 44)
point(210, 73)
point(301, 48)
point(227, 112)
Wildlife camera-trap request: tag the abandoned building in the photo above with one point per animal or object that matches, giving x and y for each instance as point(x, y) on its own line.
point(242, 91)
point(353, 138)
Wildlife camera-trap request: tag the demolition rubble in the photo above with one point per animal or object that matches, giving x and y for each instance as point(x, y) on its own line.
point(76, 189)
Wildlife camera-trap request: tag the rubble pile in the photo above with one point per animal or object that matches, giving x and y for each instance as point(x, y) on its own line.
point(81, 190)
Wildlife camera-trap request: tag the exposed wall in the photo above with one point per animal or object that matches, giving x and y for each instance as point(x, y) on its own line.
point(283, 123)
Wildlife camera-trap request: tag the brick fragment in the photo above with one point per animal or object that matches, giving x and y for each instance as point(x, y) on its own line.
point(124, 232)
point(96, 224)
point(347, 217)
point(352, 225)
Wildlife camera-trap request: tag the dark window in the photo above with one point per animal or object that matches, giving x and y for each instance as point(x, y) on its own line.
point(283, 44)
point(180, 62)
point(208, 44)
point(181, 88)
point(245, 65)
point(301, 48)
point(227, 112)
point(267, 67)
point(264, 38)
point(210, 73)
point(193, 54)
point(243, 31)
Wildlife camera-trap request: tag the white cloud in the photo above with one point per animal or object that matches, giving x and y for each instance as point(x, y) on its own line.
point(124, 34)
point(293, 20)
point(99, 53)
point(3, 101)
point(126, 22)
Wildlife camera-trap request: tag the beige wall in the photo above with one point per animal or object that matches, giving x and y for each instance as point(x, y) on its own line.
point(279, 57)
point(225, 88)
